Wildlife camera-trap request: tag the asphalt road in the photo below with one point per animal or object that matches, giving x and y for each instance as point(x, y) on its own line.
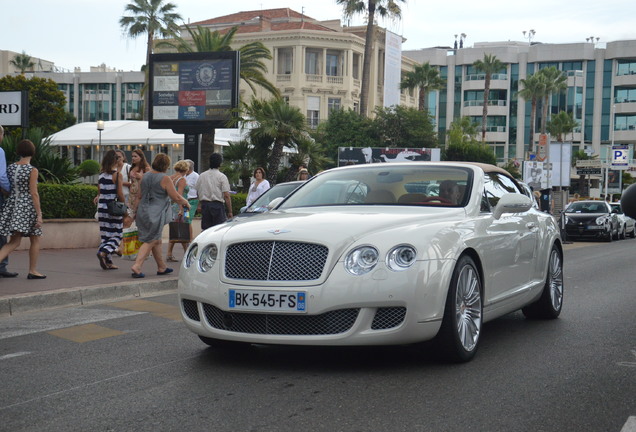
point(132, 366)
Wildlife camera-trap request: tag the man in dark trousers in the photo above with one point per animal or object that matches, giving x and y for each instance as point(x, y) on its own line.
point(213, 189)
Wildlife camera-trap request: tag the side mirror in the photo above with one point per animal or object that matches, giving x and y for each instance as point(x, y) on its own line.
point(274, 203)
point(512, 203)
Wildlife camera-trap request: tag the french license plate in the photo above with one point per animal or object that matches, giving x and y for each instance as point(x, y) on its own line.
point(278, 301)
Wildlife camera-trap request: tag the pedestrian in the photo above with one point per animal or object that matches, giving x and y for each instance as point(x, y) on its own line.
point(123, 167)
point(181, 185)
point(110, 226)
point(192, 178)
point(157, 189)
point(21, 214)
point(303, 174)
point(139, 167)
point(213, 190)
point(258, 186)
point(6, 188)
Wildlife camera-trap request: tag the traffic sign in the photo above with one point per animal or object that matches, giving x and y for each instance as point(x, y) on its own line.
point(588, 171)
point(620, 157)
point(588, 163)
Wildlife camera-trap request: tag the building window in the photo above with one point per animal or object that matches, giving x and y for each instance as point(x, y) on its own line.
point(312, 62)
point(285, 61)
point(333, 104)
point(333, 63)
point(313, 111)
point(356, 66)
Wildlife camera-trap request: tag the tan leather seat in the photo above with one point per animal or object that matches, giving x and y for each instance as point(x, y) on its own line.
point(380, 197)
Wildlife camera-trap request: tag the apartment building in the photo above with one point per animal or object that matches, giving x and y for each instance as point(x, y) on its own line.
point(601, 91)
point(317, 65)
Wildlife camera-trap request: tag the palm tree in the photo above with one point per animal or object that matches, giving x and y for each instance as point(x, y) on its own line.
point(555, 82)
point(385, 8)
point(282, 123)
point(561, 124)
point(22, 62)
point(489, 65)
point(252, 68)
point(426, 78)
point(152, 18)
point(533, 90)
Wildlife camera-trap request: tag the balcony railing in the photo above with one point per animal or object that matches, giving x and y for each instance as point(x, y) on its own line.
point(314, 78)
point(472, 103)
point(283, 77)
point(334, 79)
point(482, 77)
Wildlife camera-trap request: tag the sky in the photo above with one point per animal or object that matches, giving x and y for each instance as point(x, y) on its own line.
point(85, 33)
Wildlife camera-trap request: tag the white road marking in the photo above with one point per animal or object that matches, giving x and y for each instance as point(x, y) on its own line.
point(56, 319)
point(18, 354)
point(630, 425)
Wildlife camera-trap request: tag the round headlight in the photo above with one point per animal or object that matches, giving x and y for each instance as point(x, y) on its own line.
point(361, 260)
point(208, 257)
point(600, 220)
point(401, 257)
point(191, 255)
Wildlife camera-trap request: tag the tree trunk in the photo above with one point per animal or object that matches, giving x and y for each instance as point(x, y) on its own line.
point(274, 160)
point(484, 112)
point(366, 63)
point(422, 99)
point(533, 120)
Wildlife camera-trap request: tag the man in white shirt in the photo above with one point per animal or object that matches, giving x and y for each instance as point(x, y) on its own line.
point(191, 179)
point(213, 190)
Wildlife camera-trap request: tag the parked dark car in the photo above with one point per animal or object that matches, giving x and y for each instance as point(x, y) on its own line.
point(591, 220)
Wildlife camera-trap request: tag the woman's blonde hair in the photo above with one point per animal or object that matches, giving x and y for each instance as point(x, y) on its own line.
point(181, 166)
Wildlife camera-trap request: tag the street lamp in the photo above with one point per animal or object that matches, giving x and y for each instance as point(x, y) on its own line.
point(530, 35)
point(591, 39)
point(100, 128)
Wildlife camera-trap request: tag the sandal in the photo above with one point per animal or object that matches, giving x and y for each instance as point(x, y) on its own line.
point(102, 260)
point(171, 258)
point(111, 266)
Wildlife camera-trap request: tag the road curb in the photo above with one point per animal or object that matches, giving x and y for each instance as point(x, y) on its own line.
point(23, 303)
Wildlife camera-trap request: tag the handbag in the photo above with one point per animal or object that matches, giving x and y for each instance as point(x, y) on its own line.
point(179, 231)
point(116, 208)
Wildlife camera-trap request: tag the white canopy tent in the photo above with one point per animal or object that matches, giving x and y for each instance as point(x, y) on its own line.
point(130, 132)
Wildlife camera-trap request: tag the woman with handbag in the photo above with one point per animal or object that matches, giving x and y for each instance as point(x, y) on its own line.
point(181, 185)
point(110, 209)
point(157, 189)
point(21, 215)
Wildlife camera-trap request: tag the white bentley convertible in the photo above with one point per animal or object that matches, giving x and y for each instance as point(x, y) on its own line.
point(375, 255)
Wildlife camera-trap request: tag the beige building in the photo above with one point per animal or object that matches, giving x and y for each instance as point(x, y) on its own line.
point(316, 65)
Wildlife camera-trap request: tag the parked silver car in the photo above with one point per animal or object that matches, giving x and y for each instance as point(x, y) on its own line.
point(628, 225)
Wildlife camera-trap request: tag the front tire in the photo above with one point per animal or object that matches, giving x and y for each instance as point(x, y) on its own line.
point(550, 303)
point(459, 335)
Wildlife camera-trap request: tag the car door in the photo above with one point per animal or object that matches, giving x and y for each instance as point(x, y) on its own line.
point(514, 236)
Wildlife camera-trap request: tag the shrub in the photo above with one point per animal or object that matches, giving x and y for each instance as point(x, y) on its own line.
point(67, 201)
point(89, 167)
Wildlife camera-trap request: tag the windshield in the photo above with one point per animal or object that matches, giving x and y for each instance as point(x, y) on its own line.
point(587, 207)
point(280, 190)
point(428, 185)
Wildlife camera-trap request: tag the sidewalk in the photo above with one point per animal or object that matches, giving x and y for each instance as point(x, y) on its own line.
point(75, 278)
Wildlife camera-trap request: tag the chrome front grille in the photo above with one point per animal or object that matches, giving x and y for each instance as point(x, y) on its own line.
point(388, 317)
point(329, 323)
point(275, 261)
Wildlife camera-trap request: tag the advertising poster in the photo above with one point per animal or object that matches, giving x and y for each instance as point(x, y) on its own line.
point(362, 155)
point(536, 175)
point(193, 89)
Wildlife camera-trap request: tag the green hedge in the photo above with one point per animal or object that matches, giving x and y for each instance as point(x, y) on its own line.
point(59, 201)
point(76, 201)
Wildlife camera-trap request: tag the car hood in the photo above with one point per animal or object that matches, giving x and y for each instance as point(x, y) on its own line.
point(586, 215)
point(336, 225)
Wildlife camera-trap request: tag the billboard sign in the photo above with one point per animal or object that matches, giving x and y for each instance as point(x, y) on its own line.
point(362, 155)
point(193, 92)
point(620, 157)
point(14, 108)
